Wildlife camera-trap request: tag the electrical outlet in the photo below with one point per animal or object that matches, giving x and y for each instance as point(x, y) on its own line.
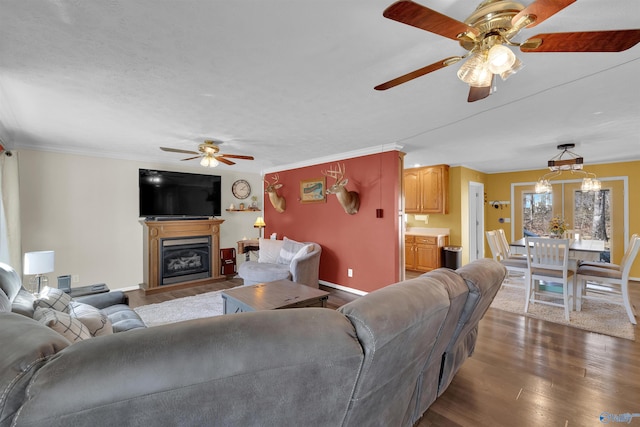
point(350, 272)
point(75, 278)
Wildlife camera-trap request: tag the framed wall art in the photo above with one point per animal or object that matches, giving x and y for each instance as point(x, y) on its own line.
point(313, 190)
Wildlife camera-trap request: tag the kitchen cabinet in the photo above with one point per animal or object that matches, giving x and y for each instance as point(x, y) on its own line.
point(423, 253)
point(426, 190)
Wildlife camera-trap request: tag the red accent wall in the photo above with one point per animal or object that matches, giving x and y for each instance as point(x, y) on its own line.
point(362, 242)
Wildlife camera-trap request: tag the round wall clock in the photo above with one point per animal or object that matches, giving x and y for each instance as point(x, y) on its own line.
point(241, 189)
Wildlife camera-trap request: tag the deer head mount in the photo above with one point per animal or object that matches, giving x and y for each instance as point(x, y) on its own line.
point(278, 202)
point(350, 200)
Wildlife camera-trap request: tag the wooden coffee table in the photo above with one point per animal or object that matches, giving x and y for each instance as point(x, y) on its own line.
point(272, 296)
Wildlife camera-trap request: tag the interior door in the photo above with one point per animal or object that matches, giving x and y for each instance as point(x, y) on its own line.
point(476, 221)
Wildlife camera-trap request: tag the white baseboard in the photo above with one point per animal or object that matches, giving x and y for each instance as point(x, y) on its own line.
point(343, 288)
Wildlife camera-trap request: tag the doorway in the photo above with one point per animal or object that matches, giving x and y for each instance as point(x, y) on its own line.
point(476, 221)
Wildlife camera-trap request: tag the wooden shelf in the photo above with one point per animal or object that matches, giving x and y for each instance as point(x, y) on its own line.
point(243, 210)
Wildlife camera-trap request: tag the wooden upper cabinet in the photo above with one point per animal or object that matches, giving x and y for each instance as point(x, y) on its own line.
point(412, 198)
point(426, 190)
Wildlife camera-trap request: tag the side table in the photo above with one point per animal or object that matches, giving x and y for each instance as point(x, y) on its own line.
point(248, 245)
point(99, 288)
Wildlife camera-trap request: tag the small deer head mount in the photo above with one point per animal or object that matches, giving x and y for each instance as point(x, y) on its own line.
point(350, 200)
point(278, 202)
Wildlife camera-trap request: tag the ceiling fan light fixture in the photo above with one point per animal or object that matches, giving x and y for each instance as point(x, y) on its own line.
point(500, 59)
point(517, 66)
point(474, 71)
point(213, 162)
point(209, 161)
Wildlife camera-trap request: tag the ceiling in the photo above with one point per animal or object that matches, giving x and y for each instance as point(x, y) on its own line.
point(288, 81)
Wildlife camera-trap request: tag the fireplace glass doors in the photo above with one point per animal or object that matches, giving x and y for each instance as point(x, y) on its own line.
point(185, 259)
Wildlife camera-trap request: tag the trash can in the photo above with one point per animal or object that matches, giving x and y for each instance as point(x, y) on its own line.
point(452, 257)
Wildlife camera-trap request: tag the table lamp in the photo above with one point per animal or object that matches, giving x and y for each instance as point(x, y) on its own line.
point(38, 263)
point(259, 224)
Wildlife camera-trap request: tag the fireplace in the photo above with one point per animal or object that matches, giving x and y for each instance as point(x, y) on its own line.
point(162, 236)
point(184, 259)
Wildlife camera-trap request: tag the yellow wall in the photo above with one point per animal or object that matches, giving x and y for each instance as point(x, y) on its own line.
point(457, 220)
point(498, 187)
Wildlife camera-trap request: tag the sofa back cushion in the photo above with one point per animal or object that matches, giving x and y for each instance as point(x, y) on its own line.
point(429, 380)
point(294, 367)
point(25, 346)
point(397, 327)
point(10, 281)
point(483, 278)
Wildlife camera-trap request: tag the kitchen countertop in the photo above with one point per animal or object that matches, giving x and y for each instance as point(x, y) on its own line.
point(425, 231)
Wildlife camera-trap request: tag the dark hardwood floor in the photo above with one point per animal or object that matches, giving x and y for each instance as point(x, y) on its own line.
point(524, 371)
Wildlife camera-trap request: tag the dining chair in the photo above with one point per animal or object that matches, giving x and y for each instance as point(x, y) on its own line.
point(614, 283)
point(505, 247)
point(493, 245)
point(548, 261)
point(610, 264)
point(572, 235)
point(513, 264)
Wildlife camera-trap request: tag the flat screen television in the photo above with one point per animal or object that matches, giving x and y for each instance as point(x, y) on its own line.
point(179, 194)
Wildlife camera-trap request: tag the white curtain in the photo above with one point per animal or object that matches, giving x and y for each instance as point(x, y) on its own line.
point(10, 243)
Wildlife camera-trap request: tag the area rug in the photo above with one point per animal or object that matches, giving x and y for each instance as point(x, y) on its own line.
point(596, 316)
point(195, 307)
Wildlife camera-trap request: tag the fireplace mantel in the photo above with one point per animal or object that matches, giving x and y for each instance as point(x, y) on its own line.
point(155, 231)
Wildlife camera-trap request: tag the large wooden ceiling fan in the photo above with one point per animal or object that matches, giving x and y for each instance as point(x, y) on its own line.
point(490, 29)
point(208, 152)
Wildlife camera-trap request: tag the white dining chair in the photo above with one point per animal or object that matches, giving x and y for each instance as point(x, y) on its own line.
point(549, 262)
point(613, 283)
point(600, 264)
point(513, 264)
point(572, 235)
point(504, 245)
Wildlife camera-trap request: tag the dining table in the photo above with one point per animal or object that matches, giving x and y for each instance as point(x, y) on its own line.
point(580, 250)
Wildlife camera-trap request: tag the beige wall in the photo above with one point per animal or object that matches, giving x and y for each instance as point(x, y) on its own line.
point(86, 210)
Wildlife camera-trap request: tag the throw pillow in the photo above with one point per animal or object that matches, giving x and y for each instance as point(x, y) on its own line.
point(93, 318)
point(269, 250)
point(289, 249)
point(306, 249)
point(53, 298)
point(70, 328)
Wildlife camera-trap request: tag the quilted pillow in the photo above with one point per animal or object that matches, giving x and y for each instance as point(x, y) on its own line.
point(70, 328)
point(53, 298)
point(289, 249)
point(93, 318)
point(269, 250)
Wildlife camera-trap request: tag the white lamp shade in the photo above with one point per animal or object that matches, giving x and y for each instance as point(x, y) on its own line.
point(500, 59)
point(38, 262)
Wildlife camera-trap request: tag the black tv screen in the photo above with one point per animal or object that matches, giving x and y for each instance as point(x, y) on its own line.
point(178, 194)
